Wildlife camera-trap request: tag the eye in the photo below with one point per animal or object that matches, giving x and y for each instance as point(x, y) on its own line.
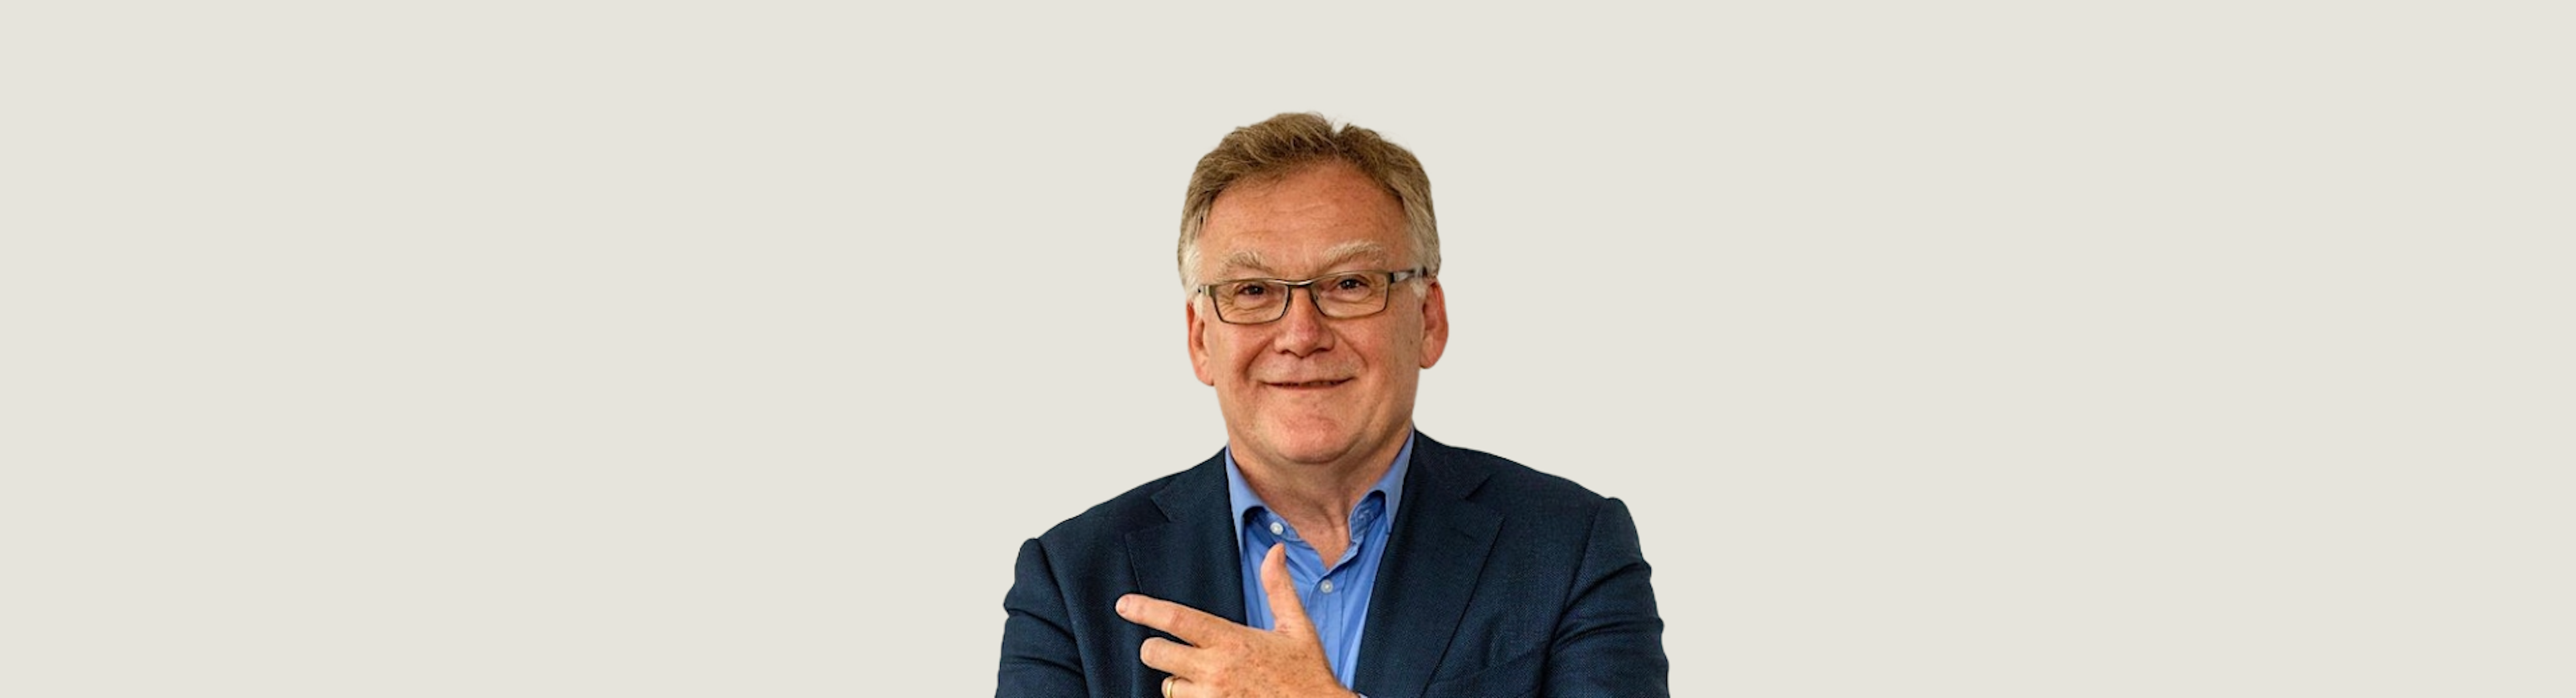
point(1250, 290)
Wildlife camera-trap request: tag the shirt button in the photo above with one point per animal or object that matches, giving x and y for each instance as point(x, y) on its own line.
point(1328, 586)
point(1276, 529)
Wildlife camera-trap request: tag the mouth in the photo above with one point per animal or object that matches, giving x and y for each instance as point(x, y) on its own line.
point(1308, 385)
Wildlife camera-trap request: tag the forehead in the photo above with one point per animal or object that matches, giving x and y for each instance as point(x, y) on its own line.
point(1311, 218)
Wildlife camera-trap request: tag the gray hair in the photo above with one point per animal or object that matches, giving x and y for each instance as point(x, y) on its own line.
point(1287, 143)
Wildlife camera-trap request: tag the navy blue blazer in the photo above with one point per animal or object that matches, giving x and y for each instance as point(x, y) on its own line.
point(1499, 582)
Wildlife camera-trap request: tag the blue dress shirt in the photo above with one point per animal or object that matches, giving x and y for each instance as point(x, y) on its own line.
point(1336, 596)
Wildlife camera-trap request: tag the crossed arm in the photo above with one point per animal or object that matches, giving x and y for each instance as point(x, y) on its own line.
point(1225, 660)
point(1221, 659)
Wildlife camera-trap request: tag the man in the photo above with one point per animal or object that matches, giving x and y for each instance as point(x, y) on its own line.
point(1329, 550)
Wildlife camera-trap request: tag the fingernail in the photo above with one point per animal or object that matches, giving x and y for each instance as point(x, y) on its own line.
point(1123, 603)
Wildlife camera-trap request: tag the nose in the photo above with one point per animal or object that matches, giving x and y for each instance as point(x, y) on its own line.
point(1302, 331)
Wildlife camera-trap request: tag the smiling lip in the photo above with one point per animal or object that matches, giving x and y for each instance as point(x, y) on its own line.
point(1309, 385)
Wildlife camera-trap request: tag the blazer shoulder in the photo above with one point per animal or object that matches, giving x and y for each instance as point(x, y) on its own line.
point(1130, 509)
point(1507, 482)
point(1138, 507)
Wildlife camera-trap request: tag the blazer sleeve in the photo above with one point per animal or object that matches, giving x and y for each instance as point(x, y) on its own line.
point(1609, 642)
point(1039, 657)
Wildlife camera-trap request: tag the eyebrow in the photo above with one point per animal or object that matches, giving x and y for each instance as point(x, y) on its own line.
point(1336, 256)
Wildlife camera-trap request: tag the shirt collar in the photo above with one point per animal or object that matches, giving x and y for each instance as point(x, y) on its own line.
point(1391, 485)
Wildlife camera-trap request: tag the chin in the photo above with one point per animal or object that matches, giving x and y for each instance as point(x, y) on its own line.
point(1311, 442)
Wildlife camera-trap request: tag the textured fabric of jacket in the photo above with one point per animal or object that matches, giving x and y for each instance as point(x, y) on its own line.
point(1499, 582)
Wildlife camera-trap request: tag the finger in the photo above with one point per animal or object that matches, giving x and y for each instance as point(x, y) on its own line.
point(1189, 624)
point(1285, 608)
point(1171, 657)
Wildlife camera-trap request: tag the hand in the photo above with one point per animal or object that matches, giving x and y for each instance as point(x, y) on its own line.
point(1225, 660)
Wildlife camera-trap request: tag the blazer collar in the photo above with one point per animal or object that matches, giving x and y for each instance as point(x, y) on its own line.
point(1190, 559)
point(1433, 559)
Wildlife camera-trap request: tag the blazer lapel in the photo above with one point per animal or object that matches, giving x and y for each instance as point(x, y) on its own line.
point(1433, 559)
point(1190, 559)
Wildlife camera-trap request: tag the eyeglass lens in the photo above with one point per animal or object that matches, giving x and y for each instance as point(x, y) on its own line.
point(1263, 300)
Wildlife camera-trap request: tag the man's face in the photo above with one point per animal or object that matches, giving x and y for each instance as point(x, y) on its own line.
point(1307, 389)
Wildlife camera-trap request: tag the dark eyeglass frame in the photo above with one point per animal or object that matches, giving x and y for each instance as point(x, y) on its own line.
point(1383, 300)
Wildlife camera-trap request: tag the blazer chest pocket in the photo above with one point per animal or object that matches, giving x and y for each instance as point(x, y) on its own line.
point(1512, 678)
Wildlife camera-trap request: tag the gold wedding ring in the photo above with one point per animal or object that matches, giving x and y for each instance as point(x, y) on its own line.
point(1167, 686)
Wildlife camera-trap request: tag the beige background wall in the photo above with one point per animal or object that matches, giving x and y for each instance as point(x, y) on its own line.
point(1995, 349)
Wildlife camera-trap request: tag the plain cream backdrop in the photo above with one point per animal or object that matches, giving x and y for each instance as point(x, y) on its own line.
point(1997, 349)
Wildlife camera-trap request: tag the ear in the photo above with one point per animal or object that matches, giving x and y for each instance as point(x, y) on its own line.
point(1198, 340)
point(1435, 323)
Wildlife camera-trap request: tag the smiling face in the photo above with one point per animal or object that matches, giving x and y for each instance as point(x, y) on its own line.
point(1306, 389)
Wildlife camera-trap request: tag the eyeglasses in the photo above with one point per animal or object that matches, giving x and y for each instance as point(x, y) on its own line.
point(1345, 295)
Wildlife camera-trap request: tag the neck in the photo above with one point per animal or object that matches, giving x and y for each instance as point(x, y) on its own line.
point(1318, 497)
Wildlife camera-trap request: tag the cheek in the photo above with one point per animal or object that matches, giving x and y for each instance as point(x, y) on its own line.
point(1388, 348)
point(1233, 356)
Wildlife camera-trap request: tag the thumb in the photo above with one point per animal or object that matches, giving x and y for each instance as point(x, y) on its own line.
point(1287, 614)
